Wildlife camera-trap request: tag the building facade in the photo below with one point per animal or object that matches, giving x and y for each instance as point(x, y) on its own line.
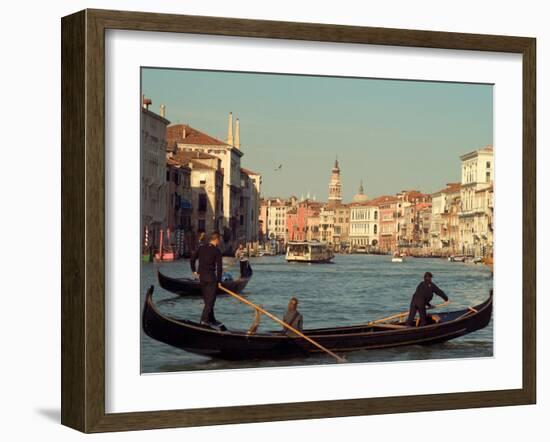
point(250, 207)
point(326, 224)
point(440, 227)
point(153, 176)
point(389, 214)
point(185, 138)
point(273, 220)
point(364, 222)
point(408, 222)
point(206, 192)
point(303, 221)
point(179, 207)
point(341, 228)
point(475, 216)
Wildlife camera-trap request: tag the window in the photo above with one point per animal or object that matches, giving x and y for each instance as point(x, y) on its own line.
point(487, 176)
point(375, 229)
point(488, 164)
point(202, 225)
point(202, 202)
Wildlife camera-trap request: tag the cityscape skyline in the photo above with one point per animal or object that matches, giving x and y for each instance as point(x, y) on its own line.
point(390, 134)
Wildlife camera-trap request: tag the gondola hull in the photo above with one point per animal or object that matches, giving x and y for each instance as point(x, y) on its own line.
point(238, 345)
point(191, 287)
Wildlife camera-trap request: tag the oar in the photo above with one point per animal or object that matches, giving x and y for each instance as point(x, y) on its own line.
point(284, 324)
point(400, 315)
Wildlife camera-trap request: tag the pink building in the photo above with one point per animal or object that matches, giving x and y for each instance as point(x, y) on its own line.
point(389, 214)
point(303, 221)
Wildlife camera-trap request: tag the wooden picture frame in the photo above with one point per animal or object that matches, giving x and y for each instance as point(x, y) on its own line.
point(83, 219)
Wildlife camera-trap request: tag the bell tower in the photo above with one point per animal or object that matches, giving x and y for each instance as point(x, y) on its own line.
point(335, 186)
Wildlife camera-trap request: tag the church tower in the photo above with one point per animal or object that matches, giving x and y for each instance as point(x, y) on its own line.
point(335, 186)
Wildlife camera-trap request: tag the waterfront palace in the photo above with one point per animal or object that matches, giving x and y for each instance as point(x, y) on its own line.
point(458, 219)
point(192, 182)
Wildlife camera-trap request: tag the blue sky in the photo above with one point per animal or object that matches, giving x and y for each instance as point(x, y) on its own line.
point(393, 134)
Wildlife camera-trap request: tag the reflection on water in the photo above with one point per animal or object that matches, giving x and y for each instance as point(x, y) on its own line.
point(352, 290)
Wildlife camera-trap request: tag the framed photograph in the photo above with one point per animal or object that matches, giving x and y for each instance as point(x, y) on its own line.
point(267, 221)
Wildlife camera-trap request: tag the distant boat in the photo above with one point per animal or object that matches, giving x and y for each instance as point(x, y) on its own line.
point(461, 258)
point(308, 251)
point(397, 257)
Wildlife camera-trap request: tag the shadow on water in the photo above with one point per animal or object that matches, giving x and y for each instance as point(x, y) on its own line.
point(356, 289)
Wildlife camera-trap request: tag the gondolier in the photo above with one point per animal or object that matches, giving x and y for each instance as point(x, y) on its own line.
point(242, 255)
point(238, 344)
point(210, 275)
point(422, 297)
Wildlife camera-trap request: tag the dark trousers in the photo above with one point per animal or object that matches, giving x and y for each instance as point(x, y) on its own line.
point(208, 289)
point(244, 269)
point(421, 309)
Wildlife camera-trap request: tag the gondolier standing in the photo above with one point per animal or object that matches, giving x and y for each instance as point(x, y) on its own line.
point(422, 297)
point(210, 275)
point(242, 255)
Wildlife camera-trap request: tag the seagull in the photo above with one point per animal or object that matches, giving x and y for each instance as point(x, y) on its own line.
point(277, 169)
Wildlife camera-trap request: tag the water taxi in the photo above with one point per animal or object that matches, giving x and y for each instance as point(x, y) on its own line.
point(308, 251)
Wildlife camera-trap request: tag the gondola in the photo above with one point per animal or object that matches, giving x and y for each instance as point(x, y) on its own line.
point(191, 287)
point(238, 345)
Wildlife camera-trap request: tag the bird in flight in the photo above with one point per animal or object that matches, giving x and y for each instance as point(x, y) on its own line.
point(277, 169)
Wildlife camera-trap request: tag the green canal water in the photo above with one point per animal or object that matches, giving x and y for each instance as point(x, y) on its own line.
point(352, 290)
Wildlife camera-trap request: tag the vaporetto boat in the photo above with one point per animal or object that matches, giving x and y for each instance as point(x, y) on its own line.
point(308, 251)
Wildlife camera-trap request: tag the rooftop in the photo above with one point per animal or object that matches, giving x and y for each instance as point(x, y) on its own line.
point(248, 172)
point(185, 134)
point(451, 188)
point(374, 201)
point(154, 115)
point(483, 150)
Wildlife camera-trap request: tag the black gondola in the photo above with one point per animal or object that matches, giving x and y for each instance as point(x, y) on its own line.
point(191, 287)
point(237, 344)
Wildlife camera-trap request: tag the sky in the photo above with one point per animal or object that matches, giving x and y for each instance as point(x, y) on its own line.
point(392, 134)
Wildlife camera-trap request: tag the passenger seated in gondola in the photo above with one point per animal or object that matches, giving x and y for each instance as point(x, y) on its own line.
point(293, 317)
point(421, 299)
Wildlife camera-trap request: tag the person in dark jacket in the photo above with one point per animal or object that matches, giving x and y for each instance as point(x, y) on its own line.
point(293, 318)
point(210, 273)
point(422, 297)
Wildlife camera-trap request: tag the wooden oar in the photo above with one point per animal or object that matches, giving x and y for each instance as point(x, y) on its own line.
point(284, 324)
point(400, 315)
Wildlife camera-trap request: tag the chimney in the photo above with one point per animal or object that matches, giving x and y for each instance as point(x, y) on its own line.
point(237, 134)
point(230, 130)
point(183, 132)
point(163, 111)
point(146, 102)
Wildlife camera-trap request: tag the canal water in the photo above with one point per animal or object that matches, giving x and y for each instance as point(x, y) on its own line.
point(352, 290)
